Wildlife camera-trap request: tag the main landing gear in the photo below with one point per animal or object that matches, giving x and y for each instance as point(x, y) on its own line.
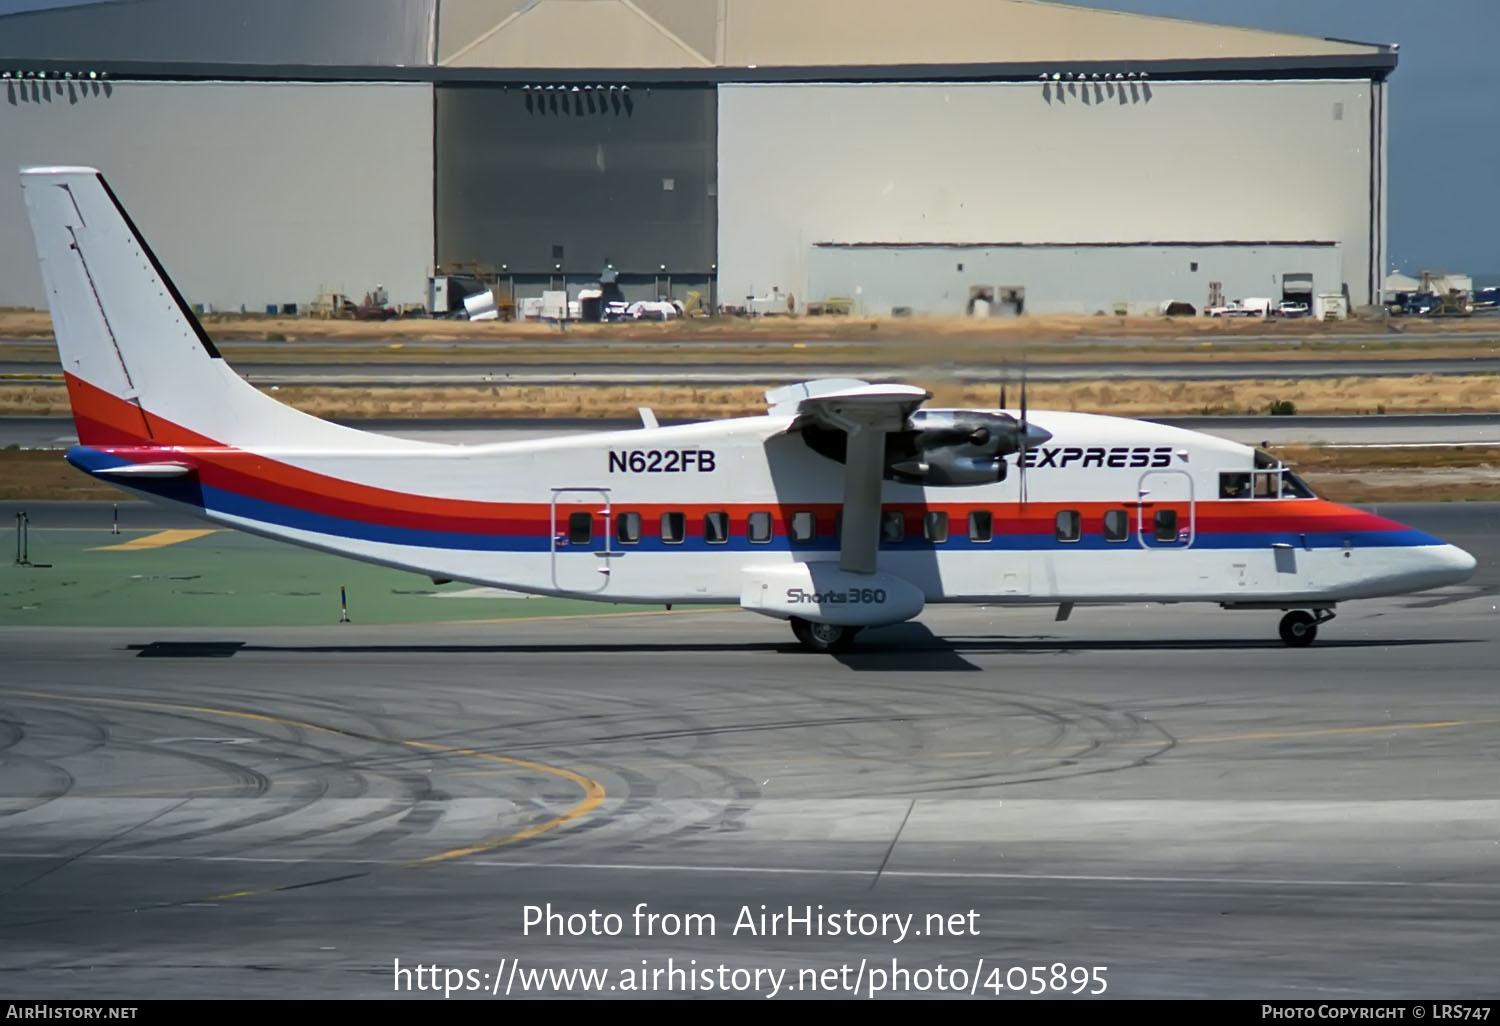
point(1300, 626)
point(823, 637)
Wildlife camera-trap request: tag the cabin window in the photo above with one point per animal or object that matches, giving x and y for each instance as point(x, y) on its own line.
point(628, 527)
point(716, 528)
point(981, 526)
point(935, 526)
point(1166, 525)
point(1069, 525)
point(1234, 486)
point(760, 528)
point(673, 527)
point(580, 528)
point(804, 526)
point(1116, 525)
point(893, 526)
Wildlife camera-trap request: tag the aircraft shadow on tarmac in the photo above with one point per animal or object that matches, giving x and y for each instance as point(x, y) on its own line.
point(901, 648)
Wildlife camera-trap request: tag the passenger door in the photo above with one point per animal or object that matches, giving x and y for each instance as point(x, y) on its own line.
point(582, 540)
point(1165, 517)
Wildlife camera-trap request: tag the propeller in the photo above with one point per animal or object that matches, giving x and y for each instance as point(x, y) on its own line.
point(1021, 458)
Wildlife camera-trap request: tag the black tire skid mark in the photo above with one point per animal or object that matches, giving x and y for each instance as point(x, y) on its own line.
point(61, 780)
point(1102, 729)
point(271, 746)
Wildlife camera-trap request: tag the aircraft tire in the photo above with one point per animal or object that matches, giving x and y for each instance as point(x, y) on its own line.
point(800, 631)
point(1299, 628)
point(825, 637)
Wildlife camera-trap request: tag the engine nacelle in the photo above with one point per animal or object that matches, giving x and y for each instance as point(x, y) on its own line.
point(955, 447)
point(823, 593)
point(941, 447)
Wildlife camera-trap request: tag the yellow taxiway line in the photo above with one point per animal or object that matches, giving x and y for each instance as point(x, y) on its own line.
point(160, 539)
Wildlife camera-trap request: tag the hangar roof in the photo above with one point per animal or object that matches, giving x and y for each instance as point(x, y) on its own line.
point(807, 33)
point(669, 40)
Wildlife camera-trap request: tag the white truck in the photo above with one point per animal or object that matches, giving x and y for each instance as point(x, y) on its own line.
point(1257, 307)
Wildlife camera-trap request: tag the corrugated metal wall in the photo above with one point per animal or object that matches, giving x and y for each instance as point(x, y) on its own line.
point(1035, 163)
point(1062, 279)
point(249, 194)
point(534, 179)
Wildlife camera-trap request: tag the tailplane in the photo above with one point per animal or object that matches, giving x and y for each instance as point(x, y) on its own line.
point(140, 369)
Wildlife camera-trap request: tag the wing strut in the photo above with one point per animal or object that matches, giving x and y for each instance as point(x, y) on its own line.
point(865, 413)
point(865, 465)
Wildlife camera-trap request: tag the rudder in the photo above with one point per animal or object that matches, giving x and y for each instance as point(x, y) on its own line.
point(140, 368)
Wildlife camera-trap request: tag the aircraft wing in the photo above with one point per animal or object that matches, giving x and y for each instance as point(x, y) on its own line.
point(865, 413)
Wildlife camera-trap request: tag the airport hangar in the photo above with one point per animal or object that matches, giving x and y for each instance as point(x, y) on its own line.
point(883, 155)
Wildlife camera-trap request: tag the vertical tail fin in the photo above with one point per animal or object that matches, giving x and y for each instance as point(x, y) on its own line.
point(140, 368)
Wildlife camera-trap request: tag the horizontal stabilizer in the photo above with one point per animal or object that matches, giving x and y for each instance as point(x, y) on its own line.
point(145, 470)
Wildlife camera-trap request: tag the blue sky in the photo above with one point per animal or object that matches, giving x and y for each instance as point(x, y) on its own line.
point(1444, 109)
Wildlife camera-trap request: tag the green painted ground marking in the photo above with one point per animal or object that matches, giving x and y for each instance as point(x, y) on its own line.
point(231, 579)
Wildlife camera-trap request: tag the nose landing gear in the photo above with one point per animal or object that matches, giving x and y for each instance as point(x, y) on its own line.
point(1300, 626)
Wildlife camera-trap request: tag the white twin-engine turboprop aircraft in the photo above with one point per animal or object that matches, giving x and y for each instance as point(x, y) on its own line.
point(845, 506)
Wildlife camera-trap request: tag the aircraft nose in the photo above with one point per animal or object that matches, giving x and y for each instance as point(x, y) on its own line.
point(1454, 564)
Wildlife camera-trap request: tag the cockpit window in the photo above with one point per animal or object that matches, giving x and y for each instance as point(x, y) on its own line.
point(1293, 487)
point(1271, 479)
point(1234, 486)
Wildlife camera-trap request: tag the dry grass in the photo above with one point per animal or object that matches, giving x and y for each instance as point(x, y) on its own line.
point(1421, 394)
point(38, 474)
point(1417, 457)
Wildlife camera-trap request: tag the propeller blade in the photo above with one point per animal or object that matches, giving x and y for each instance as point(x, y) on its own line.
point(1022, 459)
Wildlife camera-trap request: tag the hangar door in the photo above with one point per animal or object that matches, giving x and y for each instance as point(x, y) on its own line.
point(533, 177)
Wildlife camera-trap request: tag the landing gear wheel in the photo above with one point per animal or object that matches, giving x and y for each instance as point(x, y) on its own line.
point(824, 637)
point(1299, 628)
